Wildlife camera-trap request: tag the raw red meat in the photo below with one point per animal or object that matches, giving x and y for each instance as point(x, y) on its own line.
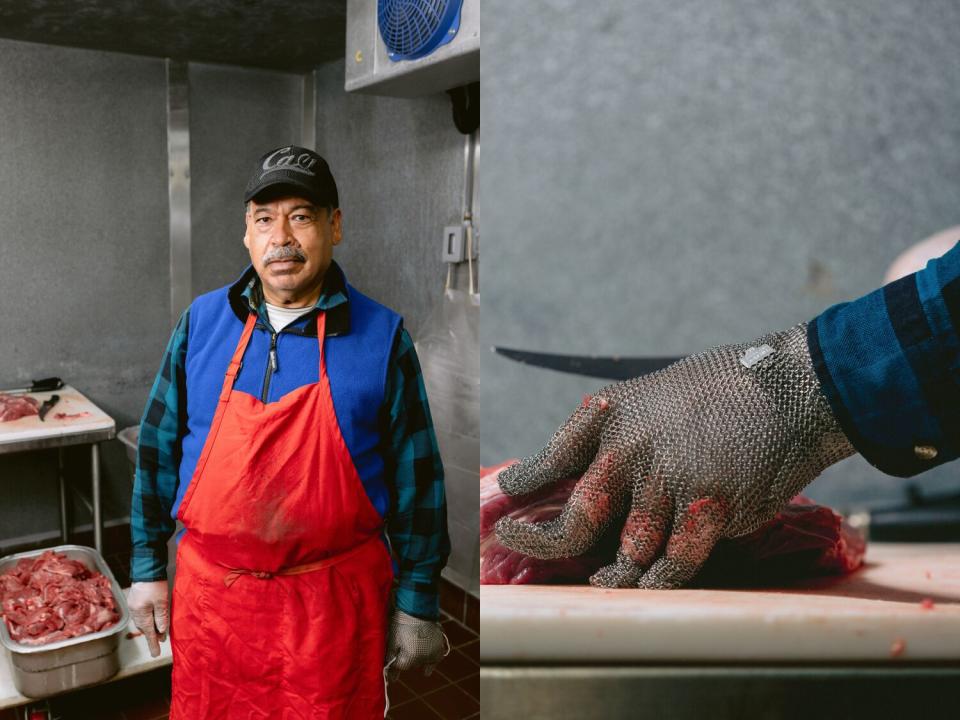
point(51, 598)
point(803, 540)
point(14, 407)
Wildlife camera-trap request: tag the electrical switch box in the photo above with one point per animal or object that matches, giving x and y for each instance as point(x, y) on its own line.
point(454, 250)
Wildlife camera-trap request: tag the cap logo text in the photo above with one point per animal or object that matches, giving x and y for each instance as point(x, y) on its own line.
point(303, 163)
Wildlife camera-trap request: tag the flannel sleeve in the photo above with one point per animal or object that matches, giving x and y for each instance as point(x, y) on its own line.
point(889, 364)
point(417, 525)
point(158, 462)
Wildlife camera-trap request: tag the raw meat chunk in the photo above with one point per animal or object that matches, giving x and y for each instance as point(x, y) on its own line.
point(51, 598)
point(14, 407)
point(803, 540)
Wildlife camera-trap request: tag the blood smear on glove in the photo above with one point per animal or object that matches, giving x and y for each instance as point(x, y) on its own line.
point(898, 647)
point(927, 604)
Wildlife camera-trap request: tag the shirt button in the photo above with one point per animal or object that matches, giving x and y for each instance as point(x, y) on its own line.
point(925, 452)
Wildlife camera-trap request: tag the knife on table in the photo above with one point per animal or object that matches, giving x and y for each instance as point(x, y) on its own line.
point(45, 385)
point(611, 367)
point(47, 404)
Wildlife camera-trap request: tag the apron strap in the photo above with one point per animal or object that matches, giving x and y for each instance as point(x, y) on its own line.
point(321, 332)
point(234, 367)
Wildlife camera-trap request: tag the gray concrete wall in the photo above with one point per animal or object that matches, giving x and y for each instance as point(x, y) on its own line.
point(83, 202)
point(665, 177)
point(236, 115)
point(84, 265)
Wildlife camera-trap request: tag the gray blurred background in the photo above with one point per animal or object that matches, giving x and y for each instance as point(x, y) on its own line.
point(669, 176)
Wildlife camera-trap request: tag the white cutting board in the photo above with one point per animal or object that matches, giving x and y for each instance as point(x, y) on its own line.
point(876, 614)
point(71, 402)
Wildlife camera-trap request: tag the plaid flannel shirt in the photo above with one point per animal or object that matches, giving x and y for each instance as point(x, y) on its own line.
point(417, 521)
point(889, 364)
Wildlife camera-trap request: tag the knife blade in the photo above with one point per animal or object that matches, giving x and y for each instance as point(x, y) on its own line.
point(47, 404)
point(611, 367)
point(44, 385)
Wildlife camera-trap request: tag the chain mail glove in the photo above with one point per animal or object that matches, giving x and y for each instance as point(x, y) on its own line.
point(412, 643)
point(707, 448)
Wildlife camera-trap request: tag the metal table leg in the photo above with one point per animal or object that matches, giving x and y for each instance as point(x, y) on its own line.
point(95, 491)
point(63, 496)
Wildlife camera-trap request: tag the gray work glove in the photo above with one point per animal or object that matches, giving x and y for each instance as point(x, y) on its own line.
point(412, 643)
point(149, 607)
point(710, 447)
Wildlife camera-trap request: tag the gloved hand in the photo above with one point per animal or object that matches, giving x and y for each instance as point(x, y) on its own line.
point(709, 447)
point(149, 606)
point(412, 642)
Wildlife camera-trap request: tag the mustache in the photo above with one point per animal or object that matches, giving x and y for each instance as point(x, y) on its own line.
point(284, 253)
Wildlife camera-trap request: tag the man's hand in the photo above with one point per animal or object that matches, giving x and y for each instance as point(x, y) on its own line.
point(149, 607)
point(412, 643)
point(710, 447)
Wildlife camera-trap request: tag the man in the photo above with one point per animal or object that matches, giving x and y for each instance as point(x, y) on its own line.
point(288, 427)
point(714, 445)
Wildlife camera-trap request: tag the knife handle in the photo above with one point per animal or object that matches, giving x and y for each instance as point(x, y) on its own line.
point(46, 384)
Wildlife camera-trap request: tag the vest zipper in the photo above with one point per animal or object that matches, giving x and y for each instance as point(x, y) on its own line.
point(271, 367)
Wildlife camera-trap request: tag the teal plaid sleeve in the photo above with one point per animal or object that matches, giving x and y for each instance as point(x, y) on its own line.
point(158, 462)
point(417, 525)
point(889, 364)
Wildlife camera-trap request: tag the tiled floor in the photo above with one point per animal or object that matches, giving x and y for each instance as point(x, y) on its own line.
point(451, 692)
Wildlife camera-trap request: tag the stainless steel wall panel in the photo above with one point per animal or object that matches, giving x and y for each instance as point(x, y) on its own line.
point(178, 163)
point(308, 116)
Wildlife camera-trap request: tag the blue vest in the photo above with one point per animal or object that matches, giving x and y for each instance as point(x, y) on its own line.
point(357, 362)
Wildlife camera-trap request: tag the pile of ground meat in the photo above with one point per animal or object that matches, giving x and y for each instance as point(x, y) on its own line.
point(14, 407)
point(803, 540)
point(50, 598)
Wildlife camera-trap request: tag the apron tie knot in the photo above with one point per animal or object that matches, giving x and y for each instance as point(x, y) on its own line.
point(231, 577)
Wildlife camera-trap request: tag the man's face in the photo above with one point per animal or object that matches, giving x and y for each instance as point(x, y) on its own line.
point(291, 245)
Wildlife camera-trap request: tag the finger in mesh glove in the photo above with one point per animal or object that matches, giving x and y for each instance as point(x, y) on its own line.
point(710, 447)
point(149, 608)
point(412, 643)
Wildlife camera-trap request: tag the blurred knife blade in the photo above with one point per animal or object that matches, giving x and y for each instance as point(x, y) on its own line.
point(611, 367)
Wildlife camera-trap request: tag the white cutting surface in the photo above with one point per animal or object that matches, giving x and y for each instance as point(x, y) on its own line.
point(71, 402)
point(873, 615)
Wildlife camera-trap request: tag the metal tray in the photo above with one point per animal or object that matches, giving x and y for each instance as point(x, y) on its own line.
point(43, 670)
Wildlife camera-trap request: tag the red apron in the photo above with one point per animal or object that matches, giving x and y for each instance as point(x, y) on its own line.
point(282, 582)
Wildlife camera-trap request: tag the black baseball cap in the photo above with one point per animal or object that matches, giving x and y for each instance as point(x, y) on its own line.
point(298, 169)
